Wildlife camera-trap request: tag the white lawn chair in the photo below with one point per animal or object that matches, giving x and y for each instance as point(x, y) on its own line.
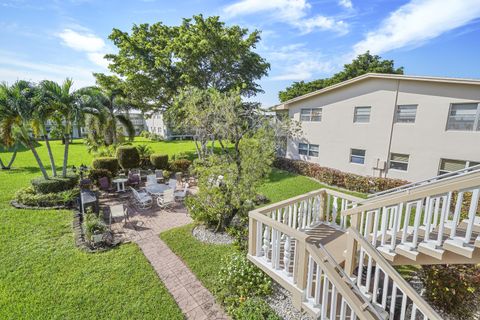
point(180, 195)
point(159, 175)
point(142, 199)
point(151, 180)
point(118, 211)
point(172, 183)
point(167, 200)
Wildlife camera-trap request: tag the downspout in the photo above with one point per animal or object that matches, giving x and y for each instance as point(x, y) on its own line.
point(387, 163)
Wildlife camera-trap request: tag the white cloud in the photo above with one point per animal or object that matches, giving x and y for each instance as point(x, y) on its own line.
point(416, 22)
point(346, 4)
point(87, 42)
point(293, 12)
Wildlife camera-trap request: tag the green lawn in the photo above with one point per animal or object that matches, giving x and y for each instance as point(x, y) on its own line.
point(44, 276)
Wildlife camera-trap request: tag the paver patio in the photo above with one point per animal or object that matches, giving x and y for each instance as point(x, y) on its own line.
point(143, 228)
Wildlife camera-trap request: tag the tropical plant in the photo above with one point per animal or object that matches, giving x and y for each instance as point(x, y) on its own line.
point(17, 111)
point(12, 158)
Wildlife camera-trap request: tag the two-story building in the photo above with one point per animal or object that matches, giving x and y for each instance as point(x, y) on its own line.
point(385, 125)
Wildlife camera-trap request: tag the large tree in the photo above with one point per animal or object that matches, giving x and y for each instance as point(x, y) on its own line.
point(364, 63)
point(157, 60)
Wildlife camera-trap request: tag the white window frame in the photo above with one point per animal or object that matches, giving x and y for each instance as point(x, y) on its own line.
point(476, 121)
point(310, 115)
point(396, 161)
point(358, 156)
point(397, 113)
point(308, 149)
point(468, 164)
point(355, 115)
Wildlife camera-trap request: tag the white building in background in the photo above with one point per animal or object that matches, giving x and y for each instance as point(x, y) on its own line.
point(155, 124)
point(394, 126)
point(138, 121)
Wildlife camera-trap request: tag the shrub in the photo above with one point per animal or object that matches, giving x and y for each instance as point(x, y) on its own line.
point(55, 184)
point(28, 197)
point(254, 308)
point(159, 161)
point(93, 225)
point(180, 165)
point(166, 174)
point(240, 279)
point(145, 134)
point(108, 163)
point(144, 151)
point(454, 289)
point(338, 178)
point(96, 174)
point(128, 157)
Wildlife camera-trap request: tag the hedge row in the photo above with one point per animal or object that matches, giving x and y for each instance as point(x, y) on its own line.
point(54, 184)
point(338, 178)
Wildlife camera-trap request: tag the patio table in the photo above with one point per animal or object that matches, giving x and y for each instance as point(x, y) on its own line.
point(157, 189)
point(120, 184)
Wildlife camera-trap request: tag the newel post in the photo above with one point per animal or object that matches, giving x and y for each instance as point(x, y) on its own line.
point(323, 205)
point(252, 234)
point(350, 257)
point(300, 273)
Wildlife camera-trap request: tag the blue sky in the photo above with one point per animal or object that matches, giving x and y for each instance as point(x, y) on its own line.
point(302, 39)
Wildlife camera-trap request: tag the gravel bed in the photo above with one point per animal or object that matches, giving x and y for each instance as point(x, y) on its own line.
point(281, 301)
point(201, 233)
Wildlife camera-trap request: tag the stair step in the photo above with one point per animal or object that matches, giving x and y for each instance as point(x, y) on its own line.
point(457, 246)
point(477, 242)
point(407, 251)
point(430, 248)
point(387, 252)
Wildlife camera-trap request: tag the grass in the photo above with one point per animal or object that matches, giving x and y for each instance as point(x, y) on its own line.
point(44, 276)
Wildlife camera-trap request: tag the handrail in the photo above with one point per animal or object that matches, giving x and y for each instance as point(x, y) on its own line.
point(470, 180)
point(352, 285)
point(442, 177)
point(256, 215)
point(400, 282)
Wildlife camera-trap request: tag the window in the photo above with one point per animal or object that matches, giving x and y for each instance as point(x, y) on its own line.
point(449, 165)
point(308, 149)
point(399, 161)
point(464, 117)
point(361, 115)
point(406, 113)
point(311, 114)
point(357, 156)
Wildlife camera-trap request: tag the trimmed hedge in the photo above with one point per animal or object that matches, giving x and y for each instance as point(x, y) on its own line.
point(54, 184)
point(159, 161)
point(333, 177)
point(28, 197)
point(96, 174)
point(107, 163)
point(128, 157)
point(180, 165)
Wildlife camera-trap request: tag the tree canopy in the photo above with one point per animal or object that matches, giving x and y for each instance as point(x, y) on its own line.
point(157, 60)
point(364, 63)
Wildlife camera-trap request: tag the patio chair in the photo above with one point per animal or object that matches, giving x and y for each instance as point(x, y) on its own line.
point(159, 175)
point(142, 199)
point(180, 195)
point(172, 183)
point(118, 211)
point(151, 179)
point(104, 185)
point(133, 179)
point(167, 200)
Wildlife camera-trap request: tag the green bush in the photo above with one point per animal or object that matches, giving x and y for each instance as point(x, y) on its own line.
point(145, 134)
point(108, 163)
point(54, 184)
point(166, 174)
point(93, 225)
point(96, 174)
point(180, 165)
point(128, 157)
point(454, 289)
point(240, 279)
point(27, 196)
point(338, 178)
point(159, 161)
point(254, 309)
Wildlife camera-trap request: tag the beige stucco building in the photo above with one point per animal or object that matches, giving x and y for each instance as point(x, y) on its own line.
point(396, 126)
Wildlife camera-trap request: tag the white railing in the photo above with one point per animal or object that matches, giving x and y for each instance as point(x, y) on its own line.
point(384, 287)
point(427, 217)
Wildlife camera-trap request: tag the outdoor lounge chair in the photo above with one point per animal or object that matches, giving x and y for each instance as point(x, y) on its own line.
point(104, 185)
point(167, 200)
point(172, 183)
point(151, 179)
point(180, 195)
point(118, 211)
point(142, 199)
point(159, 175)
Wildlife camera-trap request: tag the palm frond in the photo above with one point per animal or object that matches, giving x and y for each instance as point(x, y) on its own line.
point(127, 124)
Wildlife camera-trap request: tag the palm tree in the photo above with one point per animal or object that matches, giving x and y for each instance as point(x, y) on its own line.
point(17, 111)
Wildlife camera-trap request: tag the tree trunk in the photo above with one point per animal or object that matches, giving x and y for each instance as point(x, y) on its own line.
point(65, 155)
point(12, 159)
point(50, 155)
point(39, 161)
point(2, 165)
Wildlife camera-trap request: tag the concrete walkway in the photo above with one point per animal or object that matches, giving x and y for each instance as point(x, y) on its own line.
point(195, 301)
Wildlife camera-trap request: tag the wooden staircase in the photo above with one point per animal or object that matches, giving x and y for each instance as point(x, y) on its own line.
point(335, 253)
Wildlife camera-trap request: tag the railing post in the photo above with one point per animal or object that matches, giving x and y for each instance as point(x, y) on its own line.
point(252, 234)
point(301, 264)
point(350, 258)
point(323, 205)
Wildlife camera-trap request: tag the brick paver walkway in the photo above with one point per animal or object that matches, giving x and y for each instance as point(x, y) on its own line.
point(195, 301)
